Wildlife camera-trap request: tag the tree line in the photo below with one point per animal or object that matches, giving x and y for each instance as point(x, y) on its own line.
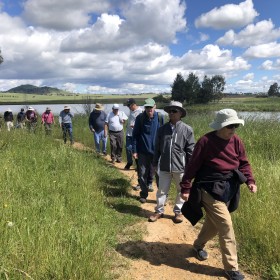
point(274, 90)
point(192, 91)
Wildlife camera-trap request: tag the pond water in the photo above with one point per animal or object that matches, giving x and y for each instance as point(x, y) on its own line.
point(79, 109)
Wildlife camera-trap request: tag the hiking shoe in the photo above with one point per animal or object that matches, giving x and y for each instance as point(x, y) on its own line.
point(234, 275)
point(142, 200)
point(150, 188)
point(201, 254)
point(104, 153)
point(178, 218)
point(119, 160)
point(113, 161)
point(155, 217)
point(136, 188)
point(127, 167)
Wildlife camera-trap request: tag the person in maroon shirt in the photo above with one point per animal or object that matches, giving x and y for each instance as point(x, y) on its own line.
point(218, 166)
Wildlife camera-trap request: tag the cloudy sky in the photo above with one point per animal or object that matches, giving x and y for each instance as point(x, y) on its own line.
point(137, 46)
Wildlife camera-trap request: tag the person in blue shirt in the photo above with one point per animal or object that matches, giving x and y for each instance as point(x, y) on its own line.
point(65, 122)
point(143, 144)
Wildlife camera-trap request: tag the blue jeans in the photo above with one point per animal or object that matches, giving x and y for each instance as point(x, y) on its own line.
point(67, 128)
point(128, 147)
point(99, 137)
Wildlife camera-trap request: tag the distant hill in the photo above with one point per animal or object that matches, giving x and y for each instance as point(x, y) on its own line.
point(30, 89)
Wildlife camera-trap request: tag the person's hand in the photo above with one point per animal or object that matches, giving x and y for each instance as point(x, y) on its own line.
point(185, 196)
point(135, 155)
point(252, 187)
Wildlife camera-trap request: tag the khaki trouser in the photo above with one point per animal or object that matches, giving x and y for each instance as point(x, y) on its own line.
point(218, 221)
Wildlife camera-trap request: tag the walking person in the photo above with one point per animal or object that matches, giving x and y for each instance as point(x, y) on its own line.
point(173, 149)
point(114, 126)
point(65, 122)
point(31, 118)
point(8, 119)
point(21, 119)
point(48, 120)
point(96, 125)
point(218, 166)
point(143, 146)
point(134, 111)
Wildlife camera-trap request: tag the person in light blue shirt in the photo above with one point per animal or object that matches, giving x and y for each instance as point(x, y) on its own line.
point(65, 122)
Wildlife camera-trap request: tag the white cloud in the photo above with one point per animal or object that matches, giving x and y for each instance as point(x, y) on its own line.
point(263, 51)
point(253, 34)
point(269, 65)
point(62, 15)
point(249, 77)
point(228, 16)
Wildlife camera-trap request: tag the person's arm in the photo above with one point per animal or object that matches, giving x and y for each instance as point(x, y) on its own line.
point(90, 121)
point(135, 136)
point(43, 118)
point(157, 152)
point(189, 146)
point(60, 119)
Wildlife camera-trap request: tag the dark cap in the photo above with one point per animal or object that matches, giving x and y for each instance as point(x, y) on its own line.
point(130, 101)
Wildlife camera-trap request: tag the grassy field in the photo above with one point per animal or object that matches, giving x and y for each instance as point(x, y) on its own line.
point(63, 209)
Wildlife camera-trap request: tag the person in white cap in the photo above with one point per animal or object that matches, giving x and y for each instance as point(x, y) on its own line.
point(114, 126)
point(65, 122)
point(31, 119)
point(219, 166)
point(9, 118)
point(48, 120)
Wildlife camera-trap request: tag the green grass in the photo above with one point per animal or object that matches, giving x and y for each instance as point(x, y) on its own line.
point(61, 210)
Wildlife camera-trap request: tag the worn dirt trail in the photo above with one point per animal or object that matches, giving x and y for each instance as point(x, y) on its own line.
point(166, 250)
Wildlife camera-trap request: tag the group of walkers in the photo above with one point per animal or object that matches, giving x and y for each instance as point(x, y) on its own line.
point(207, 174)
point(29, 120)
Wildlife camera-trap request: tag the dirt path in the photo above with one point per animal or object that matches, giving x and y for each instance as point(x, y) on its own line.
point(166, 250)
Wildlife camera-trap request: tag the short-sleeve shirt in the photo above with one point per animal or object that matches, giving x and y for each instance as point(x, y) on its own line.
point(114, 121)
point(131, 120)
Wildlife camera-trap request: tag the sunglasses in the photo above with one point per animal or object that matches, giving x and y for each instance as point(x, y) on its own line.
point(174, 111)
point(231, 126)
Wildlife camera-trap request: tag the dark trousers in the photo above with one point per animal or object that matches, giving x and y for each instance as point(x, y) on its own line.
point(145, 173)
point(116, 143)
point(67, 129)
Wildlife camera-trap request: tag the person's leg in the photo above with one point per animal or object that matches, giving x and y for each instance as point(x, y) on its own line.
point(96, 137)
point(104, 142)
point(113, 146)
point(218, 220)
point(144, 169)
point(70, 131)
point(128, 148)
point(64, 131)
point(119, 146)
point(179, 201)
point(163, 189)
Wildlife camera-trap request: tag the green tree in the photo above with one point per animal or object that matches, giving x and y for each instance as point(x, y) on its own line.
point(178, 88)
point(192, 88)
point(218, 84)
point(273, 90)
point(205, 94)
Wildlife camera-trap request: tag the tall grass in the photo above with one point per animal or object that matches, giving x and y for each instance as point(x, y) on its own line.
point(59, 210)
point(256, 222)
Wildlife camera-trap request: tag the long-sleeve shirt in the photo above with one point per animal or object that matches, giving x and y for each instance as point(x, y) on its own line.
point(65, 117)
point(144, 133)
point(96, 120)
point(217, 154)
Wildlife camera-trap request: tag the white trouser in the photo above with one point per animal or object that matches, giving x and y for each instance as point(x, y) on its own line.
point(164, 187)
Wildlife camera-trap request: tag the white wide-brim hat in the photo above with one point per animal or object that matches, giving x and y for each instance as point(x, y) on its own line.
point(225, 117)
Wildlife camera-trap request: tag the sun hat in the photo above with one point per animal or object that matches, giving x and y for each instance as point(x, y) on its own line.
point(175, 104)
point(116, 106)
point(9, 110)
point(30, 108)
point(225, 117)
point(98, 107)
point(149, 102)
point(130, 101)
point(48, 109)
point(66, 107)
